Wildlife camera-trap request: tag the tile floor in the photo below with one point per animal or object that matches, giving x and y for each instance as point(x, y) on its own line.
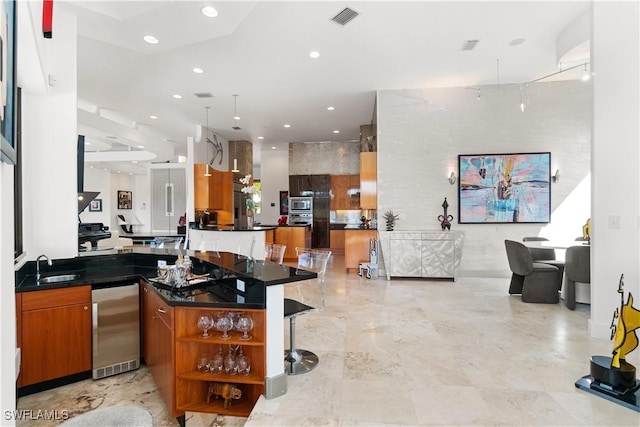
point(408, 353)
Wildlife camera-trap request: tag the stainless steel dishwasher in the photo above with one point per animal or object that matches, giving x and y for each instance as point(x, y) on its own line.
point(116, 328)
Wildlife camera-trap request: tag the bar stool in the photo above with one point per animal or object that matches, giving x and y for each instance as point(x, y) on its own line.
point(298, 361)
point(274, 252)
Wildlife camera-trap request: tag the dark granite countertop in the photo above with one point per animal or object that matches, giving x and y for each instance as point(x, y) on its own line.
point(232, 228)
point(288, 225)
point(116, 267)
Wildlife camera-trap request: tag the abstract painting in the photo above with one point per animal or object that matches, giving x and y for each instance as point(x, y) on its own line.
point(504, 188)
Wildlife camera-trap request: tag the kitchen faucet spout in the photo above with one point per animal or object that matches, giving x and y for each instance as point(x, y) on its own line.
point(38, 266)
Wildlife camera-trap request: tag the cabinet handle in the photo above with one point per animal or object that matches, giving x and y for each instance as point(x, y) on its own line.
point(94, 326)
point(161, 310)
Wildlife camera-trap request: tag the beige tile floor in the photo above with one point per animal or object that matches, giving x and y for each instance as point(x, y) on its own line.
point(408, 353)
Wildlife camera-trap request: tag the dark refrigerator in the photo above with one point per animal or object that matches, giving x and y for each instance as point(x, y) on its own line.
point(321, 185)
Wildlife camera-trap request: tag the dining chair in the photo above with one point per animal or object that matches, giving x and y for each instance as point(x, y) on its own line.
point(299, 361)
point(536, 281)
point(545, 255)
point(577, 269)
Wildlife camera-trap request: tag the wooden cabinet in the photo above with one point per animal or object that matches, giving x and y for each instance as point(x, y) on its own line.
point(56, 333)
point(337, 241)
point(292, 238)
point(192, 386)
point(300, 185)
point(345, 192)
point(356, 247)
point(19, 331)
point(369, 180)
point(158, 344)
point(213, 192)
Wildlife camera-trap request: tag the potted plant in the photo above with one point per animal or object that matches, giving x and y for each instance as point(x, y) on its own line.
point(390, 220)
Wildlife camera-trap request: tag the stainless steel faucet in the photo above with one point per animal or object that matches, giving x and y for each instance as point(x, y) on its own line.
point(38, 266)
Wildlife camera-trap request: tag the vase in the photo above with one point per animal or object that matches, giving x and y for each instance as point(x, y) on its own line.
point(249, 219)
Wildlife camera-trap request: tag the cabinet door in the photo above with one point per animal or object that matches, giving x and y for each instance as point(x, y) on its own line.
point(321, 184)
point(368, 180)
point(337, 239)
point(200, 188)
point(353, 192)
point(438, 258)
point(56, 342)
point(339, 192)
point(300, 185)
point(405, 257)
point(221, 190)
point(356, 247)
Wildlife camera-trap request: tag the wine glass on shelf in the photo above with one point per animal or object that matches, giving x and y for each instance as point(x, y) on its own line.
point(216, 363)
point(245, 324)
point(204, 324)
point(230, 362)
point(243, 363)
point(203, 363)
point(224, 324)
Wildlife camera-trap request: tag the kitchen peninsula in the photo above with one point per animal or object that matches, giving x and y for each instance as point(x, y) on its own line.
point(248, 241)
point(171, 339)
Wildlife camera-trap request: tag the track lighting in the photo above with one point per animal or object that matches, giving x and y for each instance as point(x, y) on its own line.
point(207, 170)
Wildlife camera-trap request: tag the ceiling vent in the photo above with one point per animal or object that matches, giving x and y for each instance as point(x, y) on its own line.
point(203, 95)
point(345, 16)
point(469, 44)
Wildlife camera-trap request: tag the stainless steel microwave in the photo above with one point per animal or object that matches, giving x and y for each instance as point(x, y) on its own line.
point(301, 204)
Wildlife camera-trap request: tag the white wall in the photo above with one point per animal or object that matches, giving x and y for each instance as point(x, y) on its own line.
point(616, 157)
point(422, 131)
point(274, 178)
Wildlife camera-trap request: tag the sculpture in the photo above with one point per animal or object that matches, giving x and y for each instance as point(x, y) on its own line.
point(614, 378)
point(390, 220)
point(445, 220)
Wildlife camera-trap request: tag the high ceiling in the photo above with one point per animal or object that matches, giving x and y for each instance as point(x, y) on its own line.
point(260, 51)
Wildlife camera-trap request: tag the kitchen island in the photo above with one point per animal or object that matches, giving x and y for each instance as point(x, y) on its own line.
point(248, 241)
point(171, 339)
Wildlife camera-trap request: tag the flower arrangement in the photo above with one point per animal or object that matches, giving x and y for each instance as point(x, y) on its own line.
point(248, 190)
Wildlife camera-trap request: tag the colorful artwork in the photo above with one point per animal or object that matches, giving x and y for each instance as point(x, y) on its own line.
point(504, 188)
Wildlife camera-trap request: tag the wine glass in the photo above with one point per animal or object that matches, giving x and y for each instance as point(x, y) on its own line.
point(224, 324)
point(243, 363)
point(203, 363)
point(245, 324)
point(205, 323)
point(216, 363)
point(230, 363)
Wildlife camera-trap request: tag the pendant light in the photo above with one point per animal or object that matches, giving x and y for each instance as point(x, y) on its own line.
point(207, 171)
point(235, 127)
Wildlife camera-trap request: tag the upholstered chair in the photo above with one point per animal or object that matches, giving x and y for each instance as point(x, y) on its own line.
point(536, 281)
point(577, 269)
point(545, 255)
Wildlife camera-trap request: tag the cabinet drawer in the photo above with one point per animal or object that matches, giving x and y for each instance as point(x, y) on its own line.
point(160, 308)
point(50, 298)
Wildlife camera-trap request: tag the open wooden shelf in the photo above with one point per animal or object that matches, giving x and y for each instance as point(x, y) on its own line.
point(252, 378)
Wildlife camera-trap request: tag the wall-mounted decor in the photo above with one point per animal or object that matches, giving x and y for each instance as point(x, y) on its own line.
point(504, 188)
point(284, 203)
point(8, 86)
point(95, 205)
point(124, 200)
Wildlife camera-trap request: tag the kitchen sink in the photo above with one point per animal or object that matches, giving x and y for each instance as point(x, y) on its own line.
point(60, 278)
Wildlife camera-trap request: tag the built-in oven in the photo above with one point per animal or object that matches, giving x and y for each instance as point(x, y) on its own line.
point(300, 205)
point(301, 219)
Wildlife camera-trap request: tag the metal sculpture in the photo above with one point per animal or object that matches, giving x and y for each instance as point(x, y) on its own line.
point(445, 219)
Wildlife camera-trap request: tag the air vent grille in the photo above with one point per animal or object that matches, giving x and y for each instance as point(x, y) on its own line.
point(203, 95)
point(345, 16)
point(469, 44)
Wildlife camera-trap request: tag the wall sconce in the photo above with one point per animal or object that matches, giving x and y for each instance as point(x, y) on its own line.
point(452, 178)
point(556, 176)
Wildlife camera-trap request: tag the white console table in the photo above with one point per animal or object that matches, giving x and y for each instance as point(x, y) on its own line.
point(421, 253)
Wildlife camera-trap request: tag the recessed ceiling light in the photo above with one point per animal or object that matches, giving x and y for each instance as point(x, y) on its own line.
point(331, 108)
point(236, 117)
point(287, 126)
point(314, 54)
point(111, 137)
point(336, 131)
point(177, 96)
point(151, 39)
point(88, 143)
point(209, 11)
point(273, 148)
point(153, 117)
point(516, 42)
point(140, 146)
point(261, 137)
point(198, 70)
point(118, 171)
